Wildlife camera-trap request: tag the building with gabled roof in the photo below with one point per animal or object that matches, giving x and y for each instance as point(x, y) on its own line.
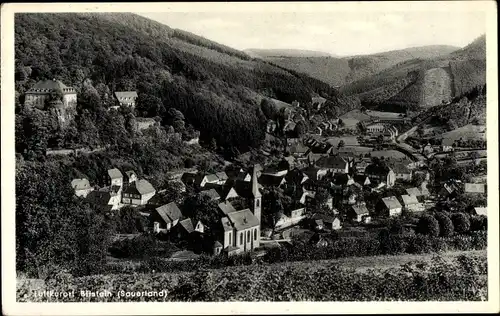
point(357, 212)
point(333, 164)
point(389, 206)
point(267, 180)
point(211, 193)
point(138, 192)
point(414, 191)
point(380, 174)
point(411, 203)
point(115, 177)
point(481, 211)
point(82, 187)
point(447, 144)
point(479, 188)
point(45, 90)
point(165, 217)
point(126, 98)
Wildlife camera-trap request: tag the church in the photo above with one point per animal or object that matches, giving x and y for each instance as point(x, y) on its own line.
point(241, 229)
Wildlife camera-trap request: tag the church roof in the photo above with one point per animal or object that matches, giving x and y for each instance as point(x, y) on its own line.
point(243, 219)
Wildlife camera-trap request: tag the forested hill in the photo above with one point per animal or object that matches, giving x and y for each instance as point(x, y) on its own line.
point(424, 81)
point(339, 71)
point(217, 88)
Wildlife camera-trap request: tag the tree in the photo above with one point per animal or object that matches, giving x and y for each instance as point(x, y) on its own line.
point(420, 131)
point(428, 225)
point(360, 126)
point(269, 108)
point(446, 227)
point(340, 144)
point(300, 129)
point(461, 222)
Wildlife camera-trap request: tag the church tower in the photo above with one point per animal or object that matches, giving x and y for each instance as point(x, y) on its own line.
point(257, 196)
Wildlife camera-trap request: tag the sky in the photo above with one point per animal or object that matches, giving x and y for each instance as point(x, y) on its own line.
point(342, 33)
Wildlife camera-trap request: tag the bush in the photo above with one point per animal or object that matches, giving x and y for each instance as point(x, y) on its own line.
point(428, 225)
point(461, 222)
point(446, 227)
point(478, 223)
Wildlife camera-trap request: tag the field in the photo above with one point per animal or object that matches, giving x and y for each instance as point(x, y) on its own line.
point(447, 277)
point(388, 154)
point(348, 141)
point(467, 132)
point(383, 115)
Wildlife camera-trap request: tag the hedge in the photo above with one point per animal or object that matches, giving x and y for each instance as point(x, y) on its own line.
point(463, 279)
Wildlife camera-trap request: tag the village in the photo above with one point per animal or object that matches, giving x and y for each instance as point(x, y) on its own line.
point(363, 175)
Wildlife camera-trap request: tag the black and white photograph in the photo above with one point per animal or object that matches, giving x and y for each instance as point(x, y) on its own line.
point(239, 152)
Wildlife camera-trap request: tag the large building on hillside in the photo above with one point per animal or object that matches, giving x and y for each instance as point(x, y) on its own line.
point(126, 98)
point(50, 90)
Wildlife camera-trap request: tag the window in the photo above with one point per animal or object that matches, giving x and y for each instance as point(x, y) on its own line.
point(248, 235)
point(255, 234)
point(257, 203)
point(230, 239)
point(241, 238)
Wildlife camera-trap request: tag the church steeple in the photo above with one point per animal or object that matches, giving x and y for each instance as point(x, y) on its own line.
point(257, 196)
point(255, 183)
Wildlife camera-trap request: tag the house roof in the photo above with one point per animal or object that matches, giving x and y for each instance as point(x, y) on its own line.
point(298, 148)
point(391, 202)
point(333, 162)
point(80, 184)
point(270, 180)
point(47, 86)
point(125, 94)
point(361, 179)
point(475, 188)
point(360, 209)
point(187, 224)
point(115, 173)
point(169, 212)
point(379, 170)
point(413, 191)
point(324, 218)
point(244, 188)
point(226, 207)
point(243, 219)
point(481, 211)
point(226, 224)
point(295, 176)
point(217, 244)
point(211, 193)
point(221, 175)
point(409, 199)
point(140, 187)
